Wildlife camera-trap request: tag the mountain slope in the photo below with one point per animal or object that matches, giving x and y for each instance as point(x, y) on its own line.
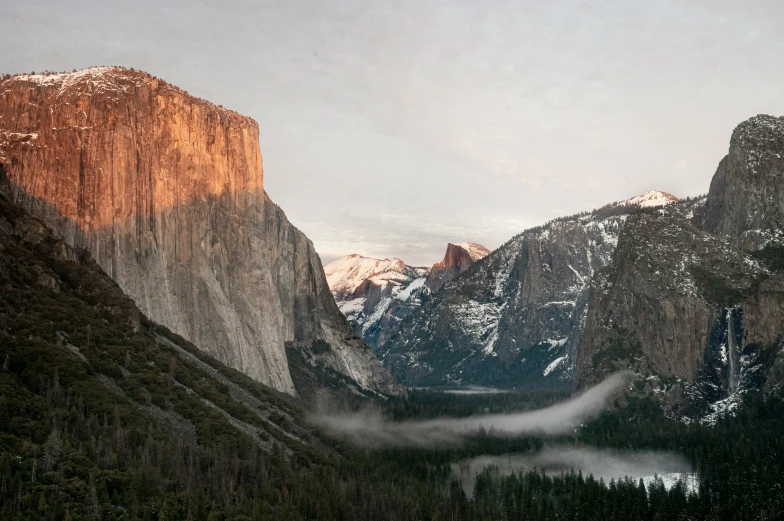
point(166, 192)
point(107, 415)
point(376, 294)
point(699, 318)
point(514, 318)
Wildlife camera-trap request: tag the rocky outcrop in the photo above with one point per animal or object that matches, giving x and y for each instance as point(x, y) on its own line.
point(746, 197)
point(692, 300)
point(653, 308)
point(375, 295)
point(458, 258)
point(514, 317)
point(166, 191)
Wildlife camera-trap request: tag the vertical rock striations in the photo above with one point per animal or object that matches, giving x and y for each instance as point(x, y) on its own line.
point(166, 191)
point(457, 259)
point(746, 197)
point(693, 300)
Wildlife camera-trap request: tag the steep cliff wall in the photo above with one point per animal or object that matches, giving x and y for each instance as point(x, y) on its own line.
point(166, 191)
point(746, 197)
point(457, 259)
point(692, 300)
point(311, 313)
point(513, 318)
point(656, 303)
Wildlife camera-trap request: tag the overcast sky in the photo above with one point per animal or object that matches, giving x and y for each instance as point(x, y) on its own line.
point(391, 128)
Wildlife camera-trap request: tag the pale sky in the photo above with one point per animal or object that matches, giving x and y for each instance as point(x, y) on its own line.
point(391, 128)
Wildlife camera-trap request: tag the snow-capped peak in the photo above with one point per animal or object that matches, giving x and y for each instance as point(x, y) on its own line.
point(346, 274)
point(651, 199)
point(476, 251)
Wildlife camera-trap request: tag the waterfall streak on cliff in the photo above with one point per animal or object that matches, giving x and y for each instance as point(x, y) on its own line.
point(732, 357)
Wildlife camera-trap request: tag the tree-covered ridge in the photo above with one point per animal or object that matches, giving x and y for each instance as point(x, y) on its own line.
point(103, 412)
point(106, 415)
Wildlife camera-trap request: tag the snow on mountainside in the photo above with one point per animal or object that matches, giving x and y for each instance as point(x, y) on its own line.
point(516, 318)
point(375, 294)
point(693, 304)
point(367, 290)
point(346, 274)
point(651, 199)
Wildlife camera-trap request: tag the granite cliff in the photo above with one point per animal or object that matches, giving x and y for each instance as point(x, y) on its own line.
point(375, 295)
point(166, 192)
point(514, 318)
point(746, 197)
point(692, 300)
point(457, 259)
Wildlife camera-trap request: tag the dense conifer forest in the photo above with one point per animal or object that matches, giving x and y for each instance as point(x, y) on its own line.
point(106, 415)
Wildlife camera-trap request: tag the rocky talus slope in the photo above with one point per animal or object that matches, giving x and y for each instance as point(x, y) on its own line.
point(166, 192)
point(692, 301)
point(375, 295)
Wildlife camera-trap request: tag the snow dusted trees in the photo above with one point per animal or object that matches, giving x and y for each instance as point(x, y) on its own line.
point(53, 448)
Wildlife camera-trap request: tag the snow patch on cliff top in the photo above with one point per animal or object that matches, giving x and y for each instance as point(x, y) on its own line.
point(66, 77)
point(111, 79)
point(476, 251)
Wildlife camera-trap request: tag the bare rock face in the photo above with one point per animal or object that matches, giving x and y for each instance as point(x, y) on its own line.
point(746, 197)
point(458, 258)
point(166, 191)
point(376, 295)
point(763, 314)
point(654, 306)
point(693, 301)
point(512, 318)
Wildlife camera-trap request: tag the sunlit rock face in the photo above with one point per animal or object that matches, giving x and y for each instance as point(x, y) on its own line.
point(166, 191)
point(376, 295)
point(457, 259)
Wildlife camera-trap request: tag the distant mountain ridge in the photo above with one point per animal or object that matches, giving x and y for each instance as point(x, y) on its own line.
point(688, 294)
point(650, 199)
point(375, 294)
point(347, 275)
point(514, 318)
